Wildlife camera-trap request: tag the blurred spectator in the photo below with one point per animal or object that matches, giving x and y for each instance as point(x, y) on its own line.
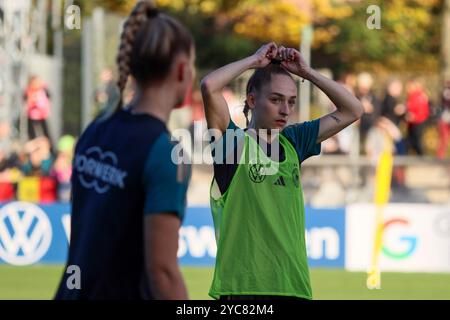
point(344, 140)
point(5, 136)
point(381, 137)
point(369, 101)
point(181, 118)
point(331, 146)
point(106, 94)
point(9, 160)
point(37, 99)
point(348, 80)
point(198, 121)
point(394, 110)
point(348, 138)
point(39, 158)
point(418, 111)
point(9, 167)
point(62, 168)
point(235, 107)
point(444, 122)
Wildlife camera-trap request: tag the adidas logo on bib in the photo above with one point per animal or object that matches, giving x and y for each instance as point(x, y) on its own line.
point(280, 182)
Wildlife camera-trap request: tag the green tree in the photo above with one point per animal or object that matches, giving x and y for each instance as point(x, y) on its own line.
point(409, 37)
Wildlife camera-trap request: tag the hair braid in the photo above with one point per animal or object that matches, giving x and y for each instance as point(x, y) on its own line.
point(130, 29)
point(246, 110)
point(246, 105)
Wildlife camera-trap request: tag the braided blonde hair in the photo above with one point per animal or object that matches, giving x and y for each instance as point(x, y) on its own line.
point(149, 42)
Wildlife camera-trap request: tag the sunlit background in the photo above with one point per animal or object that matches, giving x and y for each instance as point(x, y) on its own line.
point(62, 54)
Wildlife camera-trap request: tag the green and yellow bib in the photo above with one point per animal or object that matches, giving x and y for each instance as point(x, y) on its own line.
point(260, 227)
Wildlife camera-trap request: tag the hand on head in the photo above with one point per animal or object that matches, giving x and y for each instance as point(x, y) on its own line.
point(293, 62)
point(265, 55)
point(289, 58)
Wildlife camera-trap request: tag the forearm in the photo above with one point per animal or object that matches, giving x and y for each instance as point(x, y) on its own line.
point(344, 101)
point(168, 284)
point(220, 78)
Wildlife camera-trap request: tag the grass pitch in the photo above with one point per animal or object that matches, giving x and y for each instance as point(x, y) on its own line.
point(40, 282)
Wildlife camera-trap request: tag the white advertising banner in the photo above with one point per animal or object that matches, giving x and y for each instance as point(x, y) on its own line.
point(416, 238)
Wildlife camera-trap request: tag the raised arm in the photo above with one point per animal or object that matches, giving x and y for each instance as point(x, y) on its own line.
point(348, 108)
point(216, 108)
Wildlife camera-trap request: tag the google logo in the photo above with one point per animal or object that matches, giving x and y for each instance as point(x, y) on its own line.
point(410, 240)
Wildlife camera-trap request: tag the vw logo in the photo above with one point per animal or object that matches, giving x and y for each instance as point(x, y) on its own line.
point(257, 173)
point(25, 233)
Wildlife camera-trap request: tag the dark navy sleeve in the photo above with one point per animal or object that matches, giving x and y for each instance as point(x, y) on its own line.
point(304, 137)
point(165, 181)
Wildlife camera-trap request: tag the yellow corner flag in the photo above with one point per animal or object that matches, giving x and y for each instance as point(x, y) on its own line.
point(382, 192)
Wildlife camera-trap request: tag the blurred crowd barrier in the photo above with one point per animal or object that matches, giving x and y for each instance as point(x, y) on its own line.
point(32, 189)
point(339, 180)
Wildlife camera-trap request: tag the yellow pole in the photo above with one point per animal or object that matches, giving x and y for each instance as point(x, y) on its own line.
point(382, 193)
